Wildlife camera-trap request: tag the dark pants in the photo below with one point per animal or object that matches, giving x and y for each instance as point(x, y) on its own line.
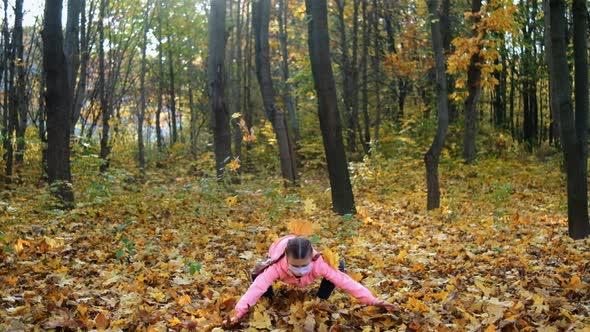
point(324, 292)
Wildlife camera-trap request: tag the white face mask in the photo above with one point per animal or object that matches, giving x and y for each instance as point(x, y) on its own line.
point(300, 271)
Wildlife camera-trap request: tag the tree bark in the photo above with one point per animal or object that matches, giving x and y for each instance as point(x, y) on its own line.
point(58, 101)
point(365, 77)
point(321, 67)
point(276, 116)
point(216, 74)
point(85, 45)
point(376, 59)
point(72, 49)
point(473, 79)
point(141, 113)
point(20, 86)
point(347, 78)
point(571, 123)
point(159, 139)
point(172, 91)
point(432, 157)
point(104, 107)
point(287, 86)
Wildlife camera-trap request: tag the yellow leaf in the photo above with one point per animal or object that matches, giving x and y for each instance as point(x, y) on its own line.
point(357, 276)
point(300, 227)
point(82, 309)
point(236, 115)
point(309, 206)
point(174, 321)
point(331, 258)
point(231, 200)
point(260, 320)
point(20, 244)
point(158, 295)
point(234, 165)
point(401, 255)
point(416, 305)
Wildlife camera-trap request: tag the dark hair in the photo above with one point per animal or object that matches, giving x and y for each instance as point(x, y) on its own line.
point(299, 248)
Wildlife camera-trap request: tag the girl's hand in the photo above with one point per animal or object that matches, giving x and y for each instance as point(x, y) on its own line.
point(386, 305)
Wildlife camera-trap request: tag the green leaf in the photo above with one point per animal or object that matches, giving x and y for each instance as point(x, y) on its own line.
point(120, 253)
point(315, 239)
point(347, 217)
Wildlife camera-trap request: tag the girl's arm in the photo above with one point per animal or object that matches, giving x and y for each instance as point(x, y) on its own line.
point(345, 282)
point(258, 287)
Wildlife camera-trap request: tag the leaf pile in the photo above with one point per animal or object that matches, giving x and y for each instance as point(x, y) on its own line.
point(175, 252)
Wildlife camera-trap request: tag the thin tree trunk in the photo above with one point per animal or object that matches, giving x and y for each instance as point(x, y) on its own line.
point(554, 124)
point(72, 49)
point(20, 84)
point(321, 67)
point(473, 79)
point(431, 159)
point(238, 135)
point(86, 47)
point(276, 116)
point(172, 92)
point(376, 59)
point(365, 78)
point(288, 87)
point(347, 70)
point(216, 74)
point(447, 37)
point(352, 127)
point(104, 107)
point(159, 139)
point(141, 113)
point(571, 123)
point(58, 104)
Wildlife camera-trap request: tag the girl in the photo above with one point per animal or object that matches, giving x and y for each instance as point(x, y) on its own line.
point(293, 260)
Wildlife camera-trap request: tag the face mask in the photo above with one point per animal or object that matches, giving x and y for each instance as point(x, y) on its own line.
point(300, 271)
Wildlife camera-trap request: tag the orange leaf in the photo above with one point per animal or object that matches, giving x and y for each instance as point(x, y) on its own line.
point(184, 299)
point(101, 321)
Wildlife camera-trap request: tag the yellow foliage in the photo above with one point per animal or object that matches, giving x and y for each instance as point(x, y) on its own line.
point(331, 258)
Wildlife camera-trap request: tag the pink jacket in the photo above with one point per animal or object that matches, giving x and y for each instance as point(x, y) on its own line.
point(280, 271)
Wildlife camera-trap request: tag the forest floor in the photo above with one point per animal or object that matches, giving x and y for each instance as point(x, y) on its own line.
point(174, 251)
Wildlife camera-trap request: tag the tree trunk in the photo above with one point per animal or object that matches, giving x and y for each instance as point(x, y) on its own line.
point(431, 159)
point(321, 67)
point(473, 79)
point(104, 107)
point(288, 87)
point(20, 115)
point(58, 101)
point(571, 123)
point(191, 105)
point(6, 56)
point(276, 116)
point(80, 93)
point(141, 113)
point(159, 139)
point(447, 38)
point(238, 135)
point(172, 93)
point(354, 124)
point(348, 88)
point(72, 49)
point(376, 59)
point(365, 77)
point(554, 122)
point(216, 74)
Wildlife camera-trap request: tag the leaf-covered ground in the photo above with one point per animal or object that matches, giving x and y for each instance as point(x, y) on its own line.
point(174, 252)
